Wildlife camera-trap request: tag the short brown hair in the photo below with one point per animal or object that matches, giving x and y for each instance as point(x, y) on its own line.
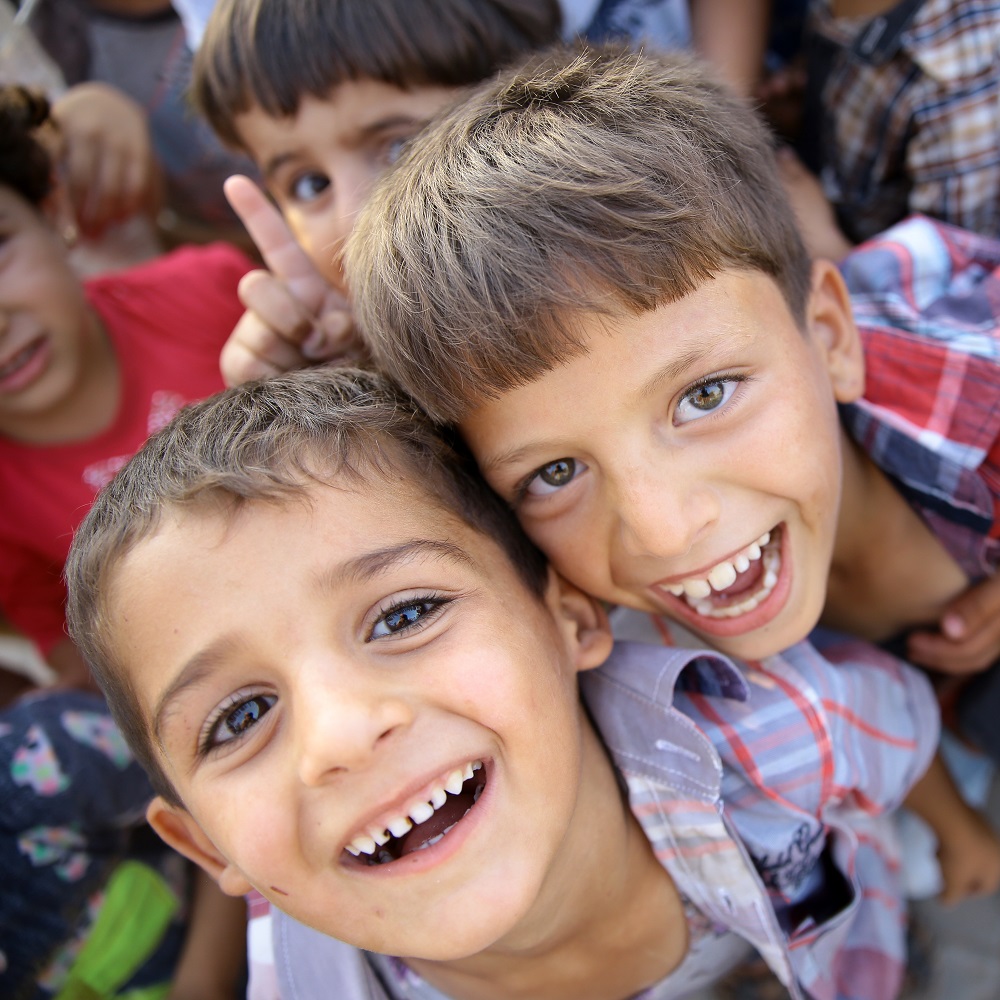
point(266, 441)
point(272, 53)
point(586, 179)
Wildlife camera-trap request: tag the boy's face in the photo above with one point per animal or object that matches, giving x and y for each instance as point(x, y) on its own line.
point(322, 675)
point(320, 165)
point(43, 315)
point(689, 463)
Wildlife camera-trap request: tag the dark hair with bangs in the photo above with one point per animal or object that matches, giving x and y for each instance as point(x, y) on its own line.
point(272, 53)
point(587, 180)
point(266, 442)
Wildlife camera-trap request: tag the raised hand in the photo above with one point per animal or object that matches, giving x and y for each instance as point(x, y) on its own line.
point(294, 317)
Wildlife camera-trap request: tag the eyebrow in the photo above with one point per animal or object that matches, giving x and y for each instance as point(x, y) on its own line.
point(666, 373)
point(272, 166)
point(367, 567)
point(361, 569)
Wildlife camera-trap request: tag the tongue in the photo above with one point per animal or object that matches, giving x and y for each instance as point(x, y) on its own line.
point(748, 580)
point(448, 815)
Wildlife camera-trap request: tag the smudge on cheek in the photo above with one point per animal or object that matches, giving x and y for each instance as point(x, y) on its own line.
point(281, 892)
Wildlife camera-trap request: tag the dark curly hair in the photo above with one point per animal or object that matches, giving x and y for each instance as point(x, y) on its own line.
point(25, 163)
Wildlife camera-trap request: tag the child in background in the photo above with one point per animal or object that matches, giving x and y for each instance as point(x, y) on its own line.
point(322, 115)
point(372, 716)
point(326, 111)
point(649, 372)
point(86, 371)
point(899, 117)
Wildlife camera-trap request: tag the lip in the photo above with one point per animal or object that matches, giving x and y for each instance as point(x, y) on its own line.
point(36, 363)
point(763, 614)
point(706, 569)
point(417, 862)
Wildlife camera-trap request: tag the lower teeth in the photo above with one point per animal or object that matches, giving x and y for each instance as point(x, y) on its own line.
point(771, 557)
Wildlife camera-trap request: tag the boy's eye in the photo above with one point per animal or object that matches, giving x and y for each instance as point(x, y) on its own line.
point(235, 720)
point(394, 149)
point(307, 187)
point(554, 476)
point(705, 397)
point(405, 616)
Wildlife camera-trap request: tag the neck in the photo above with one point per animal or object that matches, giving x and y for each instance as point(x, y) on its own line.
point(609, 924)
point(90, 403)
point(889, 570)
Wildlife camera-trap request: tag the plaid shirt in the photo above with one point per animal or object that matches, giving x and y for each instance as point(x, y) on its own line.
point(913, 128)
point(786, 762)
point(926, 297)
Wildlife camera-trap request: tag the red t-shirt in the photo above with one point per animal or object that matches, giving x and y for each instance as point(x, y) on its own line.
point(167, 321)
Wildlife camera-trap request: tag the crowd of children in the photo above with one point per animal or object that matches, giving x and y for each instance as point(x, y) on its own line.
point(583, 641)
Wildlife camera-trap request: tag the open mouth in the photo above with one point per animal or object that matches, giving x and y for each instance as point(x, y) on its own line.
point(14, 364)
point(425, 822)
point(735, 586)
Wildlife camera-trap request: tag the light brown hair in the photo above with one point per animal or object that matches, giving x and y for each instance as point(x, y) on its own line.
point(272, 53)
point(266, 442)
point(594, 179)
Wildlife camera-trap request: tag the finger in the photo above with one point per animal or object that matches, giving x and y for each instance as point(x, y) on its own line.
point(253, 351)
point(272, 302)
point(930, 649)
point(333, 336)
point(974, 609)
point(278, 247)
point(80, 168)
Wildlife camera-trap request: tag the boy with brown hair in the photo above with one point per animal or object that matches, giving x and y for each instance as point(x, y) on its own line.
point(323, 112)
point(354, 684)
point(590, 267)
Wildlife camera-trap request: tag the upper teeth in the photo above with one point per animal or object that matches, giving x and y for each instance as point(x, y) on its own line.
point(418, 811)
point(721, 575)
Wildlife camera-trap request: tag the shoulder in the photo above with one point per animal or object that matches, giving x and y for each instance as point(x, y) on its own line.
point(215, 267)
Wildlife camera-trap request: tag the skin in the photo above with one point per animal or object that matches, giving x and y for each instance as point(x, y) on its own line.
point(319, 167)
point(353, 711)
point(687, 461)
point(662, 487)
point(106, 156)
point(68, 388)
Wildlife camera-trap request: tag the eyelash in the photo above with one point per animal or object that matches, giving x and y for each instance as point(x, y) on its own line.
point(717, 379)
point(207, 741)
point(436, 602)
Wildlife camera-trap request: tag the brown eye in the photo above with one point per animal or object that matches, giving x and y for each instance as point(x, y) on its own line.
point(558, 473)
point(708, 397)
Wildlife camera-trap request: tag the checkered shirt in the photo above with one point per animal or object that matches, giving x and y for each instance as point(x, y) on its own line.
point(920, 130)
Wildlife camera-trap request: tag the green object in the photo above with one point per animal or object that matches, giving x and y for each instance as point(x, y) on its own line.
point(138, 907)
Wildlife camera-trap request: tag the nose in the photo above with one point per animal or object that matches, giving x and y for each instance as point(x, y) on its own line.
point(661, 510)
point(342, 722)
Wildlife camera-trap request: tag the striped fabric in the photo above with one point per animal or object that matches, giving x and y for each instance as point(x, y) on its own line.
point(926, 297)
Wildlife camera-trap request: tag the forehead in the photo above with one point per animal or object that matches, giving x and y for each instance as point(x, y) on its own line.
point(351, 111)
point(626, 357)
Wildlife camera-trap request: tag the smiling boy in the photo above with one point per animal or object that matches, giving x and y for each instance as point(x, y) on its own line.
point(354, 684)
point(591, 269)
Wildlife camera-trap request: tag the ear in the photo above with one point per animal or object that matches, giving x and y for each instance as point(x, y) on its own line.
point(583, 620)
point(178, 828)
point(830, 323)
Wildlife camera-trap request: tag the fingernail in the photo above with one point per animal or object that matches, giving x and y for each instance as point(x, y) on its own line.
point(953, 626)
point(314, 346)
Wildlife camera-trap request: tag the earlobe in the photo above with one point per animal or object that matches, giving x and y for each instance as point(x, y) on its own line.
point(178, 828)
point(585, 621)
point(831, 325)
